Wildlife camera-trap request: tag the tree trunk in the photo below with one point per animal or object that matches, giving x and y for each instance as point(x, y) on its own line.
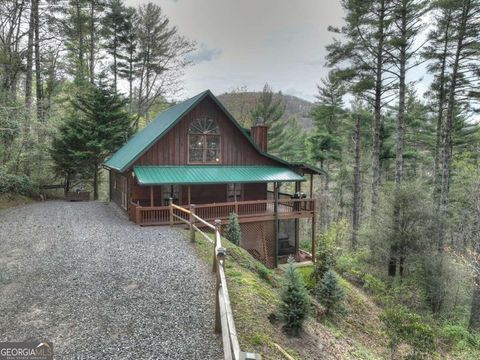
point(92, 41)
point(95, 183)
point(81, 61)
point(400, 140)
point(475, 309)
point(447, 151)
point(38, 72)
point(115, 58)
point(356, 185)
point(377, 119)
point(29, 66)
point(439, 125)
point(392, 263)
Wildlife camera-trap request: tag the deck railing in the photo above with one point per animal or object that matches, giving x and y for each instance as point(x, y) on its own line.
point(224, 322)
point(160, 215)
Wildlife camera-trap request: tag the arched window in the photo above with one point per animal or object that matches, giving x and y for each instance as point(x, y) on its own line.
point(203, 142)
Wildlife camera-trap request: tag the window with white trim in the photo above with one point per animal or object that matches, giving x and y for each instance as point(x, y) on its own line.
point(204, 142)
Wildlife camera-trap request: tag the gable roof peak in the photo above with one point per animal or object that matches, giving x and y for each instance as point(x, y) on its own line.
point(158, 127)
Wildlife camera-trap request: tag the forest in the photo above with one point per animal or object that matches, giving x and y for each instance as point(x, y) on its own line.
point(399, 206)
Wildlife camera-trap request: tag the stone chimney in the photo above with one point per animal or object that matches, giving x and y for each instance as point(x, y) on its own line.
point(259, 133)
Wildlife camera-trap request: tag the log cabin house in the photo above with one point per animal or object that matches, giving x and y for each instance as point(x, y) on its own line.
point(198, 155)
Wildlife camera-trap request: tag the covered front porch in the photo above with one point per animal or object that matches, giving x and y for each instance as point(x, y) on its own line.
point(269, 218)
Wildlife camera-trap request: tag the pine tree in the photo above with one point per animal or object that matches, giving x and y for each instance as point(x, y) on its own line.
point(408, 15)
point(329, 292)
point(127, 61)
point(270, 110)
point(115, 30)
point(233, 232)
point(98, 127)
point(161, 52)
point(366, 65)
point(293, 146)
point(295, 301)
point(437, 52)
point(463, 79)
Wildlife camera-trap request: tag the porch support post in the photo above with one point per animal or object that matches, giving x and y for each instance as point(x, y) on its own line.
point(314, 235)
point(298, 188)
point(311, 186)
point(170, 202)
point(275, 211)
point(189, 195)
point(151, 195)
point(192, 221)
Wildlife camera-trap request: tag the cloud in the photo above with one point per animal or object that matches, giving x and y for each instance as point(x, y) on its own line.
point(204, 54)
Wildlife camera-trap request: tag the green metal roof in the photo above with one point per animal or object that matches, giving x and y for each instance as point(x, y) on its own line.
point(213, 174)
point(145, 138)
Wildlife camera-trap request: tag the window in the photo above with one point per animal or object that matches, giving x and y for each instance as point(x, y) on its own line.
point(203, 141)
point(234, 192)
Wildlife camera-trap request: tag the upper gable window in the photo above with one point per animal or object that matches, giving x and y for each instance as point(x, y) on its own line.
point(203, 141)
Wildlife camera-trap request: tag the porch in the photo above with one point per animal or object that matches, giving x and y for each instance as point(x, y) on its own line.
point(247, 211)
point(270, 220)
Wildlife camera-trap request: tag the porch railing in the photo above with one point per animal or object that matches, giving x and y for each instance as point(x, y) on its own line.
point(224, 322)
point(160, 215)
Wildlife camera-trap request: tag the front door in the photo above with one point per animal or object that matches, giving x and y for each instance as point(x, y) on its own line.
point(171, 191)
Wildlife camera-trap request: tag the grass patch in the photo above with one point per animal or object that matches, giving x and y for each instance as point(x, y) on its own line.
point(253, 295)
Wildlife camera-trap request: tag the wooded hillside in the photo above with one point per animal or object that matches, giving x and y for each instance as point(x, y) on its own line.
point(399, 212)
point(241, 103)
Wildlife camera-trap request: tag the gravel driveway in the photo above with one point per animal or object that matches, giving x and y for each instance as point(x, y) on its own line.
point(98, 286)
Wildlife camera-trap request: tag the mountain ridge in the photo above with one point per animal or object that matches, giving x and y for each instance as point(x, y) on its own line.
point(240, 104)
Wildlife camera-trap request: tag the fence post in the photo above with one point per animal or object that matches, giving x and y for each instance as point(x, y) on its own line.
point(138, 219)
point(218, 226)
point(170, 202)
point(220, 254)
point(192, 221)
point(218, 320)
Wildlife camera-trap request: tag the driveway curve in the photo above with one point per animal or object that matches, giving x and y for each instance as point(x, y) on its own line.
point(99, 287)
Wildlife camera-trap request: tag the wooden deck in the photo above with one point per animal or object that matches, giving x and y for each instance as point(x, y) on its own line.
point(247, 211)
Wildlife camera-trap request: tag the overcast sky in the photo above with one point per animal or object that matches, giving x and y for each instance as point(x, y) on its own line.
point(245, 43)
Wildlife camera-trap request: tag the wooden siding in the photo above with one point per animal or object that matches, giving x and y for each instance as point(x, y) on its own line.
point(172, 149)
point(254, 192)
point(117, 187)
point(199, 194)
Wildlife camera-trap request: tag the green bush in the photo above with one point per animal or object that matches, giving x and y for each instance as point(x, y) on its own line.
point(458, 336)
point(374, 285)
point(325, 258)
point(352, 263)
point(233, 232)
point(405, 327)
point(265, 273)
point(329, 292)
point(295, 301)
point(327, 249)
point(306, 272)
point(17, 184)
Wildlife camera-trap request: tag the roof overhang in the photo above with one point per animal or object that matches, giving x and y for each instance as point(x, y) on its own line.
point(304, 168)
point(212, 174)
